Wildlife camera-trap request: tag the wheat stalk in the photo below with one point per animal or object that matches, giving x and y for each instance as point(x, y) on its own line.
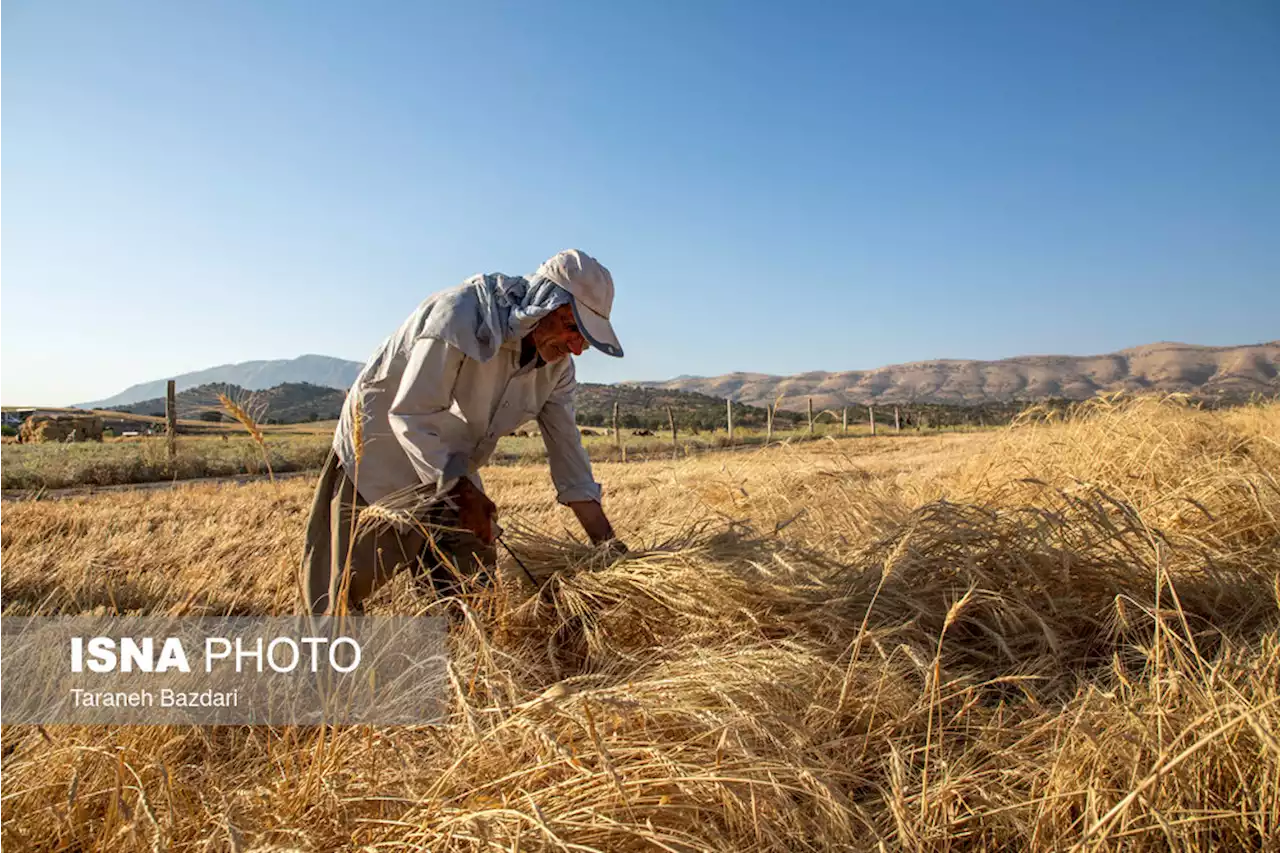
point(241, 414)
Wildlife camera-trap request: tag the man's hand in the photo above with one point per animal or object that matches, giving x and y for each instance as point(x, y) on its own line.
point(593, 520)
point(616, 548)
point(475, 511)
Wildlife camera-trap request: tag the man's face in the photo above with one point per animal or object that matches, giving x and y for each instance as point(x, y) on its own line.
point(557, 335)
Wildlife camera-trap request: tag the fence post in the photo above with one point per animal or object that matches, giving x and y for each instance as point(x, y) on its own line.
point(897, 422)
point(617, 437)
point(844, 420)
point(171, 419)
point(871, 413)
point(810, 399)
point(768, 429)
point(675, 445)
point(728, 407)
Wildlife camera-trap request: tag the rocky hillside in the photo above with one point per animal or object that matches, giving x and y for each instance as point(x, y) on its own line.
point(287, 403)
point(1214, 373)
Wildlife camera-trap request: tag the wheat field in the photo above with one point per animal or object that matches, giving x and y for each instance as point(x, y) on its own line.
point(1061, 635)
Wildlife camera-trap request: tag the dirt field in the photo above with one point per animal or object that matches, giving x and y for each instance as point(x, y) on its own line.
point(1054, 636)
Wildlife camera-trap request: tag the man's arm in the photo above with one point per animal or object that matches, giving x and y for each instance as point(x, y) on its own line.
point(423, 398)
point(593, 520)
point(570, 467)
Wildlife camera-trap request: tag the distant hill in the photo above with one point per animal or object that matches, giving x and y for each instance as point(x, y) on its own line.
point(297, 402)
point(319, 370)
point(1213, 373)
point(287, 403)
point(641, 406)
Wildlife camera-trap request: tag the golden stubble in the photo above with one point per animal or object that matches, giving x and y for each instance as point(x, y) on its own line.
point(1059, 635)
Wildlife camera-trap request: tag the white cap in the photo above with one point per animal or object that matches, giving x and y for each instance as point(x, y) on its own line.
point(591, 287)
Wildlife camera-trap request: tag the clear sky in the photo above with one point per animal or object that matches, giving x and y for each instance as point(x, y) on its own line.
point(777, 187)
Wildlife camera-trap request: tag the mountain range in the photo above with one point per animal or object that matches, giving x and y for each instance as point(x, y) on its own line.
point(1215, 373)
point(321, 370)
point(1227, 373)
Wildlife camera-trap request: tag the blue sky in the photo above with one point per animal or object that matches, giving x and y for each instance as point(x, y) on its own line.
point(777, 187)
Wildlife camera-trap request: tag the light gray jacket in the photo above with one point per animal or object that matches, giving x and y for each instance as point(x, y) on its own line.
point(431, 413)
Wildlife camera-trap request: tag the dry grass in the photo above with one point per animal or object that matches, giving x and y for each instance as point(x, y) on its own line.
point(250, 447)
point(146, 460)
point(1063, 635)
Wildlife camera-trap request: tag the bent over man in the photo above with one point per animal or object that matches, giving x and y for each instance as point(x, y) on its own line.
point(469, 366)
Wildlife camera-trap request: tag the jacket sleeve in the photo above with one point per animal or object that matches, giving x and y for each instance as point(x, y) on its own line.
point(421, 403)
point(570, 467)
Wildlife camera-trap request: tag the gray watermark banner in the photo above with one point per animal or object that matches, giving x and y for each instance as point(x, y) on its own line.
point(156, 670)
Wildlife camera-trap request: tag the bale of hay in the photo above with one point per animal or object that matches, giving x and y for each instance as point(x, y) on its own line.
point(38, 428)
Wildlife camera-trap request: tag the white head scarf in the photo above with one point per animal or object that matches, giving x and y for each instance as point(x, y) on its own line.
point(489, 310)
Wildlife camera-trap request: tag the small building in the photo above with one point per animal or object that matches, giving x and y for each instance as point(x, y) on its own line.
point(15, 417)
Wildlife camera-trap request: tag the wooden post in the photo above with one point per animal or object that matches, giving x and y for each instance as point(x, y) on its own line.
point(844, 420)
point(728, 408)
point(675, 445)
point(897, 422)
point(810, 415)
point(171, 419)
point(617, 436)
point(768, 428)
point(871, 414)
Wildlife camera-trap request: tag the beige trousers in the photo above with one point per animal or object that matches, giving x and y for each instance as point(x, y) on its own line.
point(365, 558)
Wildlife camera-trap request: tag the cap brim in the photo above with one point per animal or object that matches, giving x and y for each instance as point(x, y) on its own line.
point(596, 329)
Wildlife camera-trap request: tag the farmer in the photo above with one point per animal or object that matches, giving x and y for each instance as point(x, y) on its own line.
point(469, 366)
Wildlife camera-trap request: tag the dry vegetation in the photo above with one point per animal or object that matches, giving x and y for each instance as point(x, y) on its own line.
point(291, 448)
point(146, 460)
point(1060, 635)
